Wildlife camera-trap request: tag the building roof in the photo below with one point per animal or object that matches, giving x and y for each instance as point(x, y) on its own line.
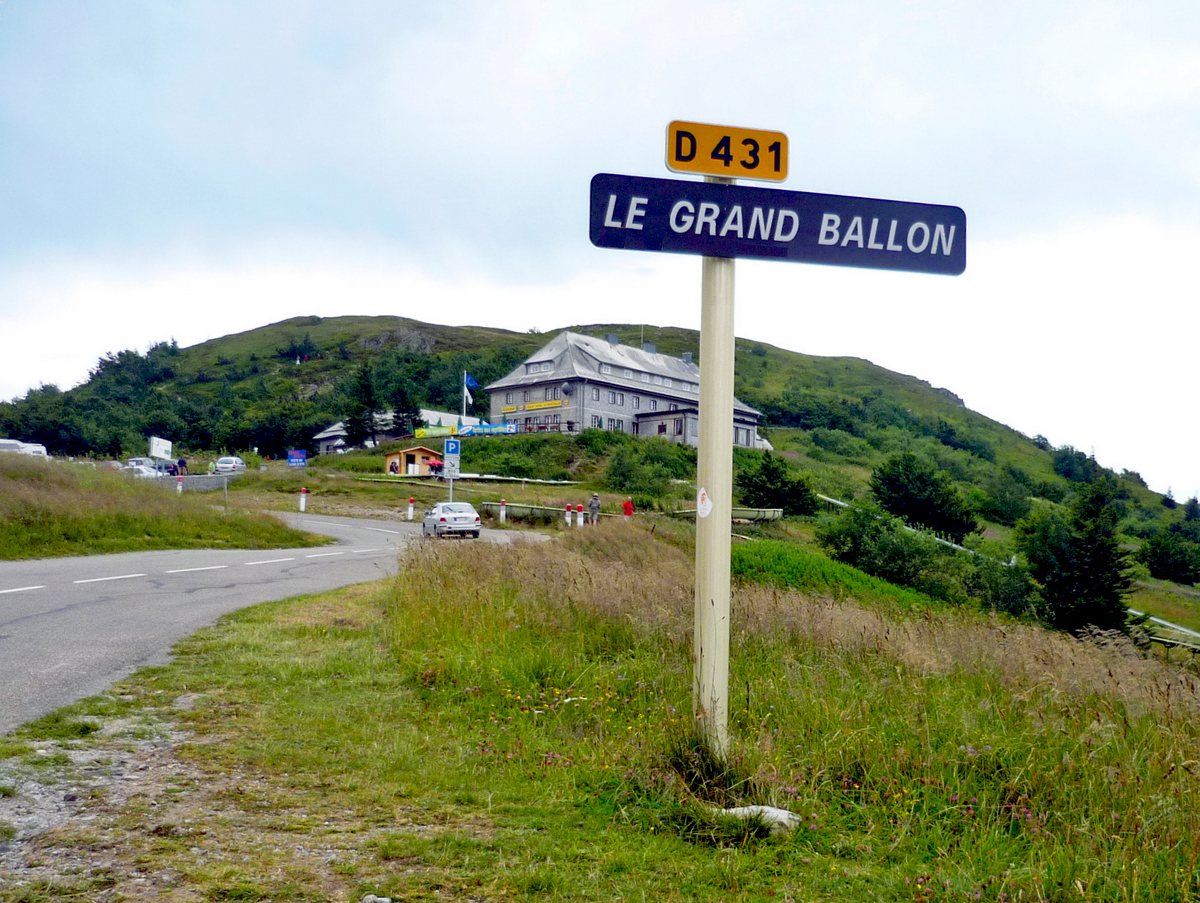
point(576, 356)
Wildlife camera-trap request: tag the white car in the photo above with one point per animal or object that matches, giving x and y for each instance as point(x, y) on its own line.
point(142, 471)
point(230, 464)
point(451, 517)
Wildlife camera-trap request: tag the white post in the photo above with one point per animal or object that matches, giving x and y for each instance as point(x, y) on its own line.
point(568, 515)
point(579, 521)
point(714, 489)
point(179, 485)
point(303, 499)
point(503, 510)
point(411, 501)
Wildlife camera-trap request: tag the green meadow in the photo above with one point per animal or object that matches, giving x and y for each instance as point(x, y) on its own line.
point(514, 723)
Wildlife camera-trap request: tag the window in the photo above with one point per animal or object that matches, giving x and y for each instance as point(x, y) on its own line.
point(629, 374)
point(595, 393)
point(612, 397)
point(695, 388)
point(546, 367)
point(667, 383)
point(612, 424)
point(658, 380)
point(525, 395)
point(605, 368)
point(645, 377)
point(557, 392)
point(662, 429)
point(596, 422)
point(654, 404)
point(637, 402)
point(620, 399)
point(620, 426)
point(508, 397)
point(636, 430)
point(674, 407)
point(678, 427)
point(547, 393)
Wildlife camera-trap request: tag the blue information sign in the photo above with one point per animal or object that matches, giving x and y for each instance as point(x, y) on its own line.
point(297, 457)
point(716, 220)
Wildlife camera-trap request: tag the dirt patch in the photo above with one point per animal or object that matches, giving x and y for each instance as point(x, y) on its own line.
point(130, 815)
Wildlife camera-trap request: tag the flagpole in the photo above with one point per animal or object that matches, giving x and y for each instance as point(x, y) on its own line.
point(464, 395)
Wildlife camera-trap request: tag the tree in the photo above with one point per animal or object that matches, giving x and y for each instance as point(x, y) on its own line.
point(1191, 509)
point(362, 404)
point(920, 494)
point(773, 485)
point(1083, 572)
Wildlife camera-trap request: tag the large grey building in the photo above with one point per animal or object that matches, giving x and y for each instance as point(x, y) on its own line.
point(577, 382)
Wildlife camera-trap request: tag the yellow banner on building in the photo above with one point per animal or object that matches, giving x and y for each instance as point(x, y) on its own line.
point(539, 405)
point(429, 432)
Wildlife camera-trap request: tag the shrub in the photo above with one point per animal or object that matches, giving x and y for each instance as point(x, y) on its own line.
point(915, 491)
point(1169, 555)
point(772, 484)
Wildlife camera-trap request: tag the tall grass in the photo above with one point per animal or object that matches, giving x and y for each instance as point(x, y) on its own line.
point(52, 508)
point(515, 722)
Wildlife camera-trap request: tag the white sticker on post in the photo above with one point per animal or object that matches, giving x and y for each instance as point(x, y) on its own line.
point(703, 503)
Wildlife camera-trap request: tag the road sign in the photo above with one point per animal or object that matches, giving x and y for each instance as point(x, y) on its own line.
point(451, 458)
point(722, 150)
point(297, 457)
point(715, 220)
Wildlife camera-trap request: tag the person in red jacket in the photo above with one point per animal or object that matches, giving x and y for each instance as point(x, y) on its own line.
point(627, 507)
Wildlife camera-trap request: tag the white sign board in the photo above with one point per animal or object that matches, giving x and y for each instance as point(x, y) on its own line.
point(451, 458)
point(160, 448)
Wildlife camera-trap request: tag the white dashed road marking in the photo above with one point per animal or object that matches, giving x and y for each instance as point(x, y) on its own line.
point(101, 579)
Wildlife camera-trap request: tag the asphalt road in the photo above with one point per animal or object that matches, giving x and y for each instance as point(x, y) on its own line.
point(71, 627)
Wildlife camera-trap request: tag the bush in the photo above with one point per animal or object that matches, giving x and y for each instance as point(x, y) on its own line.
point(772, 484)
point(1169, 555)
point(915, 491)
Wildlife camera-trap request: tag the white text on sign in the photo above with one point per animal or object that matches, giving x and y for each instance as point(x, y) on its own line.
point(742, 221)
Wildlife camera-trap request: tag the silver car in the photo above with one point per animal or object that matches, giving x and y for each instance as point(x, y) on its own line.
point(451, 517)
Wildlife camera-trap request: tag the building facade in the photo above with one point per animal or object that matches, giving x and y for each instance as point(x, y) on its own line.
point(578, 382)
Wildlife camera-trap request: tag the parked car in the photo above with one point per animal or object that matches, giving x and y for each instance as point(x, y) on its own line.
point(143, 472)
point(459, 518)
point(230, 464)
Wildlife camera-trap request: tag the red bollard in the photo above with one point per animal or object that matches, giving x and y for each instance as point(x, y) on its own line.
point(411, 501)
point(503, 510)
point(303, 499)
point(579, 516)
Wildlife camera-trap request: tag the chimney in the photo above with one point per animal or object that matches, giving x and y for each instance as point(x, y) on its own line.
point(649, 348)
point(687, 357)
point(612, 338)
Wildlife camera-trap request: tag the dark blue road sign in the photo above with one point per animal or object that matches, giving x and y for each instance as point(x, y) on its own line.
point(716, 220)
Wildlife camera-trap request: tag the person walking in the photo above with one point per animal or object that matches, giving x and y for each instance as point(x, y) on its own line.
point(594, 509)
point(627, 508)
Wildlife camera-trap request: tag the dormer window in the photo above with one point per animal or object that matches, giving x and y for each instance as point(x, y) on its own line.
point(605, 368)
point(628, 374)
point(667, 383)
point(645, 377)
point(658, 380)
point(546, 367)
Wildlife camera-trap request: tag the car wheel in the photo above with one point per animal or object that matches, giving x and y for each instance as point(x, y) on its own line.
point(475, 535)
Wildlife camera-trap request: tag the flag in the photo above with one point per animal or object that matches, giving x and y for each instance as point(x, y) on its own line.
point(467, 393)
point(469, 381)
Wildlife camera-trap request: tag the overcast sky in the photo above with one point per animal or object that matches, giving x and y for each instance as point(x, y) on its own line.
point(188, 170)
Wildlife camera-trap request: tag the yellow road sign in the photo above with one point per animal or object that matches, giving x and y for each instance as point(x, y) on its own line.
point(722, 150)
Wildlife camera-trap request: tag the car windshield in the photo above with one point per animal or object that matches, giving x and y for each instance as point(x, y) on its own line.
point(458, 508)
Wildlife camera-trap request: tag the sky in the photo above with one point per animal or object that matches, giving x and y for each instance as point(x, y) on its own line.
point(189, 170)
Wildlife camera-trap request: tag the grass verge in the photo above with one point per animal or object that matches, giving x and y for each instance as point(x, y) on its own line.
point(513, 723)
point(51, 509)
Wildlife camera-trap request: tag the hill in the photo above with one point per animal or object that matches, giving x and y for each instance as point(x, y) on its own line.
point(275, 387)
